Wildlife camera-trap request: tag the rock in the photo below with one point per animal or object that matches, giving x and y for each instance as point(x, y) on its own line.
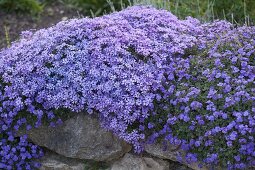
point(132, 162)
point(80, 137)
point(52, 161)
point(170, 154)
point(157, 151)
point(64, 18)
point(50, 11)
point(177, 166)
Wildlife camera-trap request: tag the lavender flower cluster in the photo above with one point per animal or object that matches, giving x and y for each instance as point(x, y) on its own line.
point(148, 76)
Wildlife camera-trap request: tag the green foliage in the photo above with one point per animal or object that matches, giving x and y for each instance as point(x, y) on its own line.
point(235, 11)
point(239, 10)
point(7, 38)
point(24, 6)
point(96, 7)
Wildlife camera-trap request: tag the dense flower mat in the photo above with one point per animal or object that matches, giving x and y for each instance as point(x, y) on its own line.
point(148, 76)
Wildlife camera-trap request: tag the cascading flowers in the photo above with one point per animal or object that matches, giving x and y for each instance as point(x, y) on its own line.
point(148, 76)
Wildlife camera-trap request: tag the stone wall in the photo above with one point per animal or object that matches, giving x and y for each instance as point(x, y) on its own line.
point(80, 144)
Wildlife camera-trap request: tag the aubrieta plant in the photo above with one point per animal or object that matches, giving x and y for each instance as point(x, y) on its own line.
point(148, 77)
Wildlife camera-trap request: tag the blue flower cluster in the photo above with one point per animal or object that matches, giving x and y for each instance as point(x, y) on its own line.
point(148, 76)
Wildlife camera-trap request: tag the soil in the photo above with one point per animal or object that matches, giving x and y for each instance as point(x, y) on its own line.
point(12, 24)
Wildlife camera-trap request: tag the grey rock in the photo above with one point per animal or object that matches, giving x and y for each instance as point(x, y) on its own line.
point(157, 151)
point(80, 137)
point(170, 154)
point(132, 162)
point(52, 161)
point(177, 166)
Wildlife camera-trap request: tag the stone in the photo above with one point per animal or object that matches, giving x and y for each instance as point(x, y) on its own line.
point(64, 18)
point(171, 154)
point(157, 151)
point(133, 162)
point(52, 161)
point(80, 137)
point(177, 166)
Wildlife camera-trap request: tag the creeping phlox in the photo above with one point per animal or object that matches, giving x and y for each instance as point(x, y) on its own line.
point(148, 77)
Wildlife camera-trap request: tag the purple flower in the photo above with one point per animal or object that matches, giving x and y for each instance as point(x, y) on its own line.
point(4, 127)
point(195, 105)
point(233, 135)
point(150, 125)
point(138, 67)
point(237, 158)
point(197, 143)
point(191, 158)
